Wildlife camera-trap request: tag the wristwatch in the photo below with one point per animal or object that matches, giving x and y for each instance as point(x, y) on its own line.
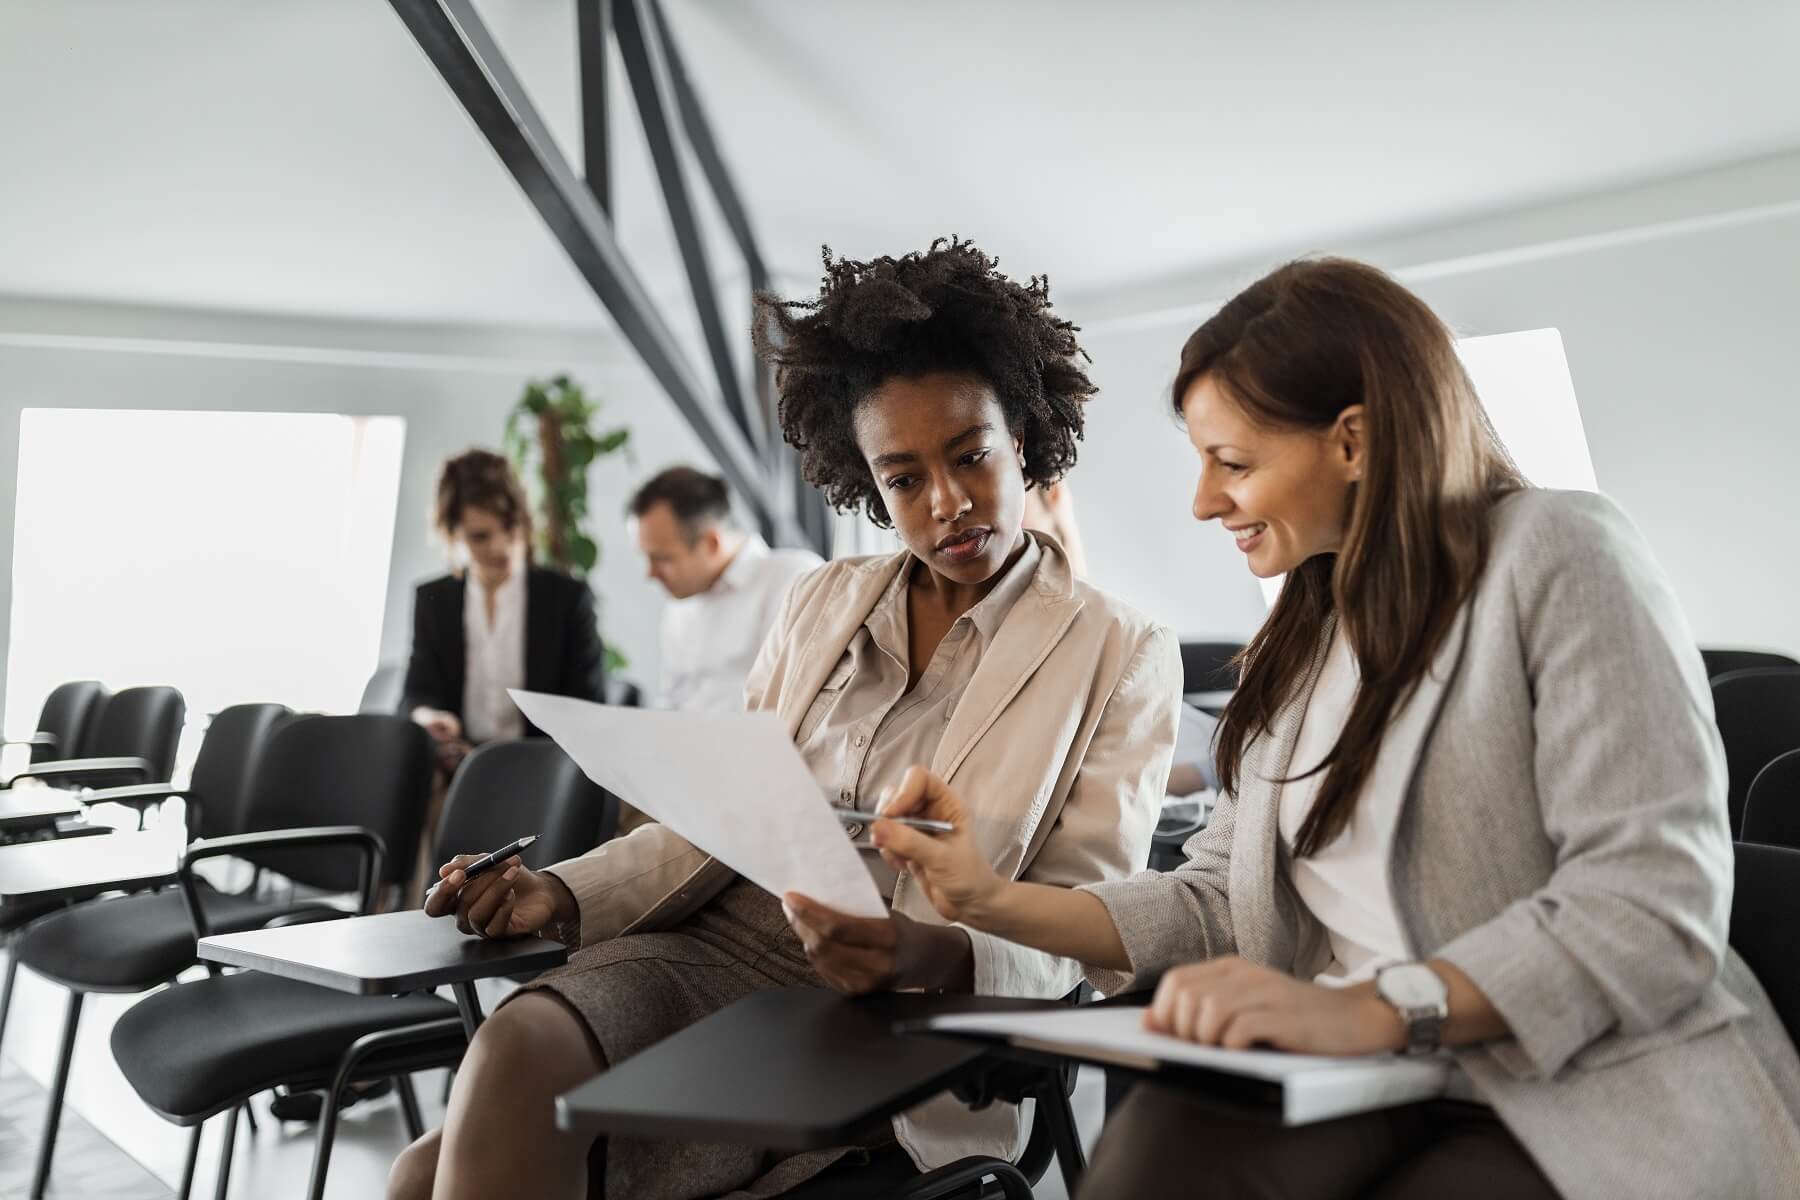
point(1422, 1000)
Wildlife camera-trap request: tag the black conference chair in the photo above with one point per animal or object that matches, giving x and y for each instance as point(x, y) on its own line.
point(194, 1050)
point(134, 943)
point(197, 1049)
point(313, 1039)
point(1207, 667)
point(221, 778)
point(1772, 805)
point(371, 770)
point(1719, 662)
point(61, 721)
point(1758, 713)
point(1765, 908)
point(507, 789)
point(134, 736)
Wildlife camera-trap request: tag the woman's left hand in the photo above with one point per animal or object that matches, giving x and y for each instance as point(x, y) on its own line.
point(853, 954)
point(1236, 1004)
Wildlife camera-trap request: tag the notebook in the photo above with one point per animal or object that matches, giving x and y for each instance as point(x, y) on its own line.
point(1297, 1088)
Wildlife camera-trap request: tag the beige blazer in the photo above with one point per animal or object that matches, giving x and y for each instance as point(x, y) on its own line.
point(1061, 745)
point(1563, 840)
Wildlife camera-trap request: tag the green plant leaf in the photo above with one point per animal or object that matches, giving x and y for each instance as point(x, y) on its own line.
point(583, 554)
point(615, 662)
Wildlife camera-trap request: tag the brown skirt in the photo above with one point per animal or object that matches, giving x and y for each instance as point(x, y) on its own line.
point(635, 991)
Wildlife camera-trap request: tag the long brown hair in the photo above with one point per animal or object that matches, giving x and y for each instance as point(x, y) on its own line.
point(1294, 350)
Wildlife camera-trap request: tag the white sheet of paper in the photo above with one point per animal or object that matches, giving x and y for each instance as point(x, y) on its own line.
point(1314, 1087)
point(730, 783)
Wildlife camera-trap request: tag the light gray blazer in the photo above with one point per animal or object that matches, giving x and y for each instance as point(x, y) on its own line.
point(1563, 841)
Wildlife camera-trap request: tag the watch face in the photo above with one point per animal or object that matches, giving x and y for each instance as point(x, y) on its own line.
point(1412, 985)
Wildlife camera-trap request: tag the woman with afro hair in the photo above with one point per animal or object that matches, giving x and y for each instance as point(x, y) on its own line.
point(930, 392)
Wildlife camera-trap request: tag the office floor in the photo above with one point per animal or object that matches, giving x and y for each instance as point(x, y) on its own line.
point(113, 1148)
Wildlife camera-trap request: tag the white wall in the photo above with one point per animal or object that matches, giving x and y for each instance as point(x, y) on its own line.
point(451, 386)
point(1679, 306)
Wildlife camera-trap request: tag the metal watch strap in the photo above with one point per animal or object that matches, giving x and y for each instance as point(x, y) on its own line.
point(1424, 1030)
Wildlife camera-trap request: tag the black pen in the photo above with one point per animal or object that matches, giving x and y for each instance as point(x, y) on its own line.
point(488, 862)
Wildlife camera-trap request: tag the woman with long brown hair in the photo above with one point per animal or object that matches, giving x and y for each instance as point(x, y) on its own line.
point(1472, 798)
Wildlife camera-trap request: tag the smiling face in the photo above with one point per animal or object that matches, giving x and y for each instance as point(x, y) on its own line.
point(1284, 494)
point(948, 470)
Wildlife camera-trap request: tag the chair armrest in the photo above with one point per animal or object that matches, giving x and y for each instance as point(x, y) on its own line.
point(238, 844)
point(136, 794)
point(139, 767)
point(36, 739)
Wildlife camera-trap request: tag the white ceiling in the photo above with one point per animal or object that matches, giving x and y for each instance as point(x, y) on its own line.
point(304, 157)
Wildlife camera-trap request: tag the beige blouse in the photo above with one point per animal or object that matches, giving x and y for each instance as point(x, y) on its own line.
point(865, 728)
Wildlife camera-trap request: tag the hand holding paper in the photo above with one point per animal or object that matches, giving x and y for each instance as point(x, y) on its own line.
point(730, 783)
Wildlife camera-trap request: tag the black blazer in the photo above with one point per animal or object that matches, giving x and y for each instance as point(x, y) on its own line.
point(563, 654)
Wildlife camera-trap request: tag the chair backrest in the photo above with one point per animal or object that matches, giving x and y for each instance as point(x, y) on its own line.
point(505, 790)
point(1758, 712)
point(371, 769)
point(1206, 666)
point(1719, 662)
point(1765, 909)
point(385, 689)
point(140, 722)
point(66, 713)
point(226, 764)
point(1772, 805)
point(87, 744)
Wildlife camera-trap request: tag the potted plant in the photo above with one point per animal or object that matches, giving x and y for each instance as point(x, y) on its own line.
point(552, 441)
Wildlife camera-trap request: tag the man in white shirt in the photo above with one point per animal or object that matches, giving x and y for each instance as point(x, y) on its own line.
point(725, 586)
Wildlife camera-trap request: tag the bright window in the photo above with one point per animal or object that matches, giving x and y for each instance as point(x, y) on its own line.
point(237, 556)
point(1523, 381)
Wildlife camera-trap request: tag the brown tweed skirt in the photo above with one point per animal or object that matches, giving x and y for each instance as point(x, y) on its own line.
point(635, 991)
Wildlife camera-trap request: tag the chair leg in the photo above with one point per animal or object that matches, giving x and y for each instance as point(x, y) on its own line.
point(59, 1085)
point(250, 1115)
point(12, 973)
point(1053, 1106)
point(409, 1107)
point(193, 1159)
point(222, 1187)
point(328, 1119)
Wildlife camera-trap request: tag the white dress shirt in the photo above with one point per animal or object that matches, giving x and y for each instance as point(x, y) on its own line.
point(1345, 885)
point(710, 641)
point(494, 658)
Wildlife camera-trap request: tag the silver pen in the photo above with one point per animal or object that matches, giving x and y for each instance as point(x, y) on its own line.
point(849, 816)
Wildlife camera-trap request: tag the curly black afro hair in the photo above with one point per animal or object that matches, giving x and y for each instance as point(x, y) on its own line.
point(948, 309)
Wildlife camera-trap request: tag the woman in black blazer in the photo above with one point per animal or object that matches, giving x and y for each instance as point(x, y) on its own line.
point(529, 627)
point(481, 511)
point(563, 652)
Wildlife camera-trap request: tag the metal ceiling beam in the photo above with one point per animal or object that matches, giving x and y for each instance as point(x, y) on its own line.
point(648, 71)
point(706, 151)
point(593, 22)
point(718, 177)
point(459, 46)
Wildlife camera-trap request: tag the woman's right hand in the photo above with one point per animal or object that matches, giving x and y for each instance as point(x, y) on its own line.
point(510, 901)
point(949, 868)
